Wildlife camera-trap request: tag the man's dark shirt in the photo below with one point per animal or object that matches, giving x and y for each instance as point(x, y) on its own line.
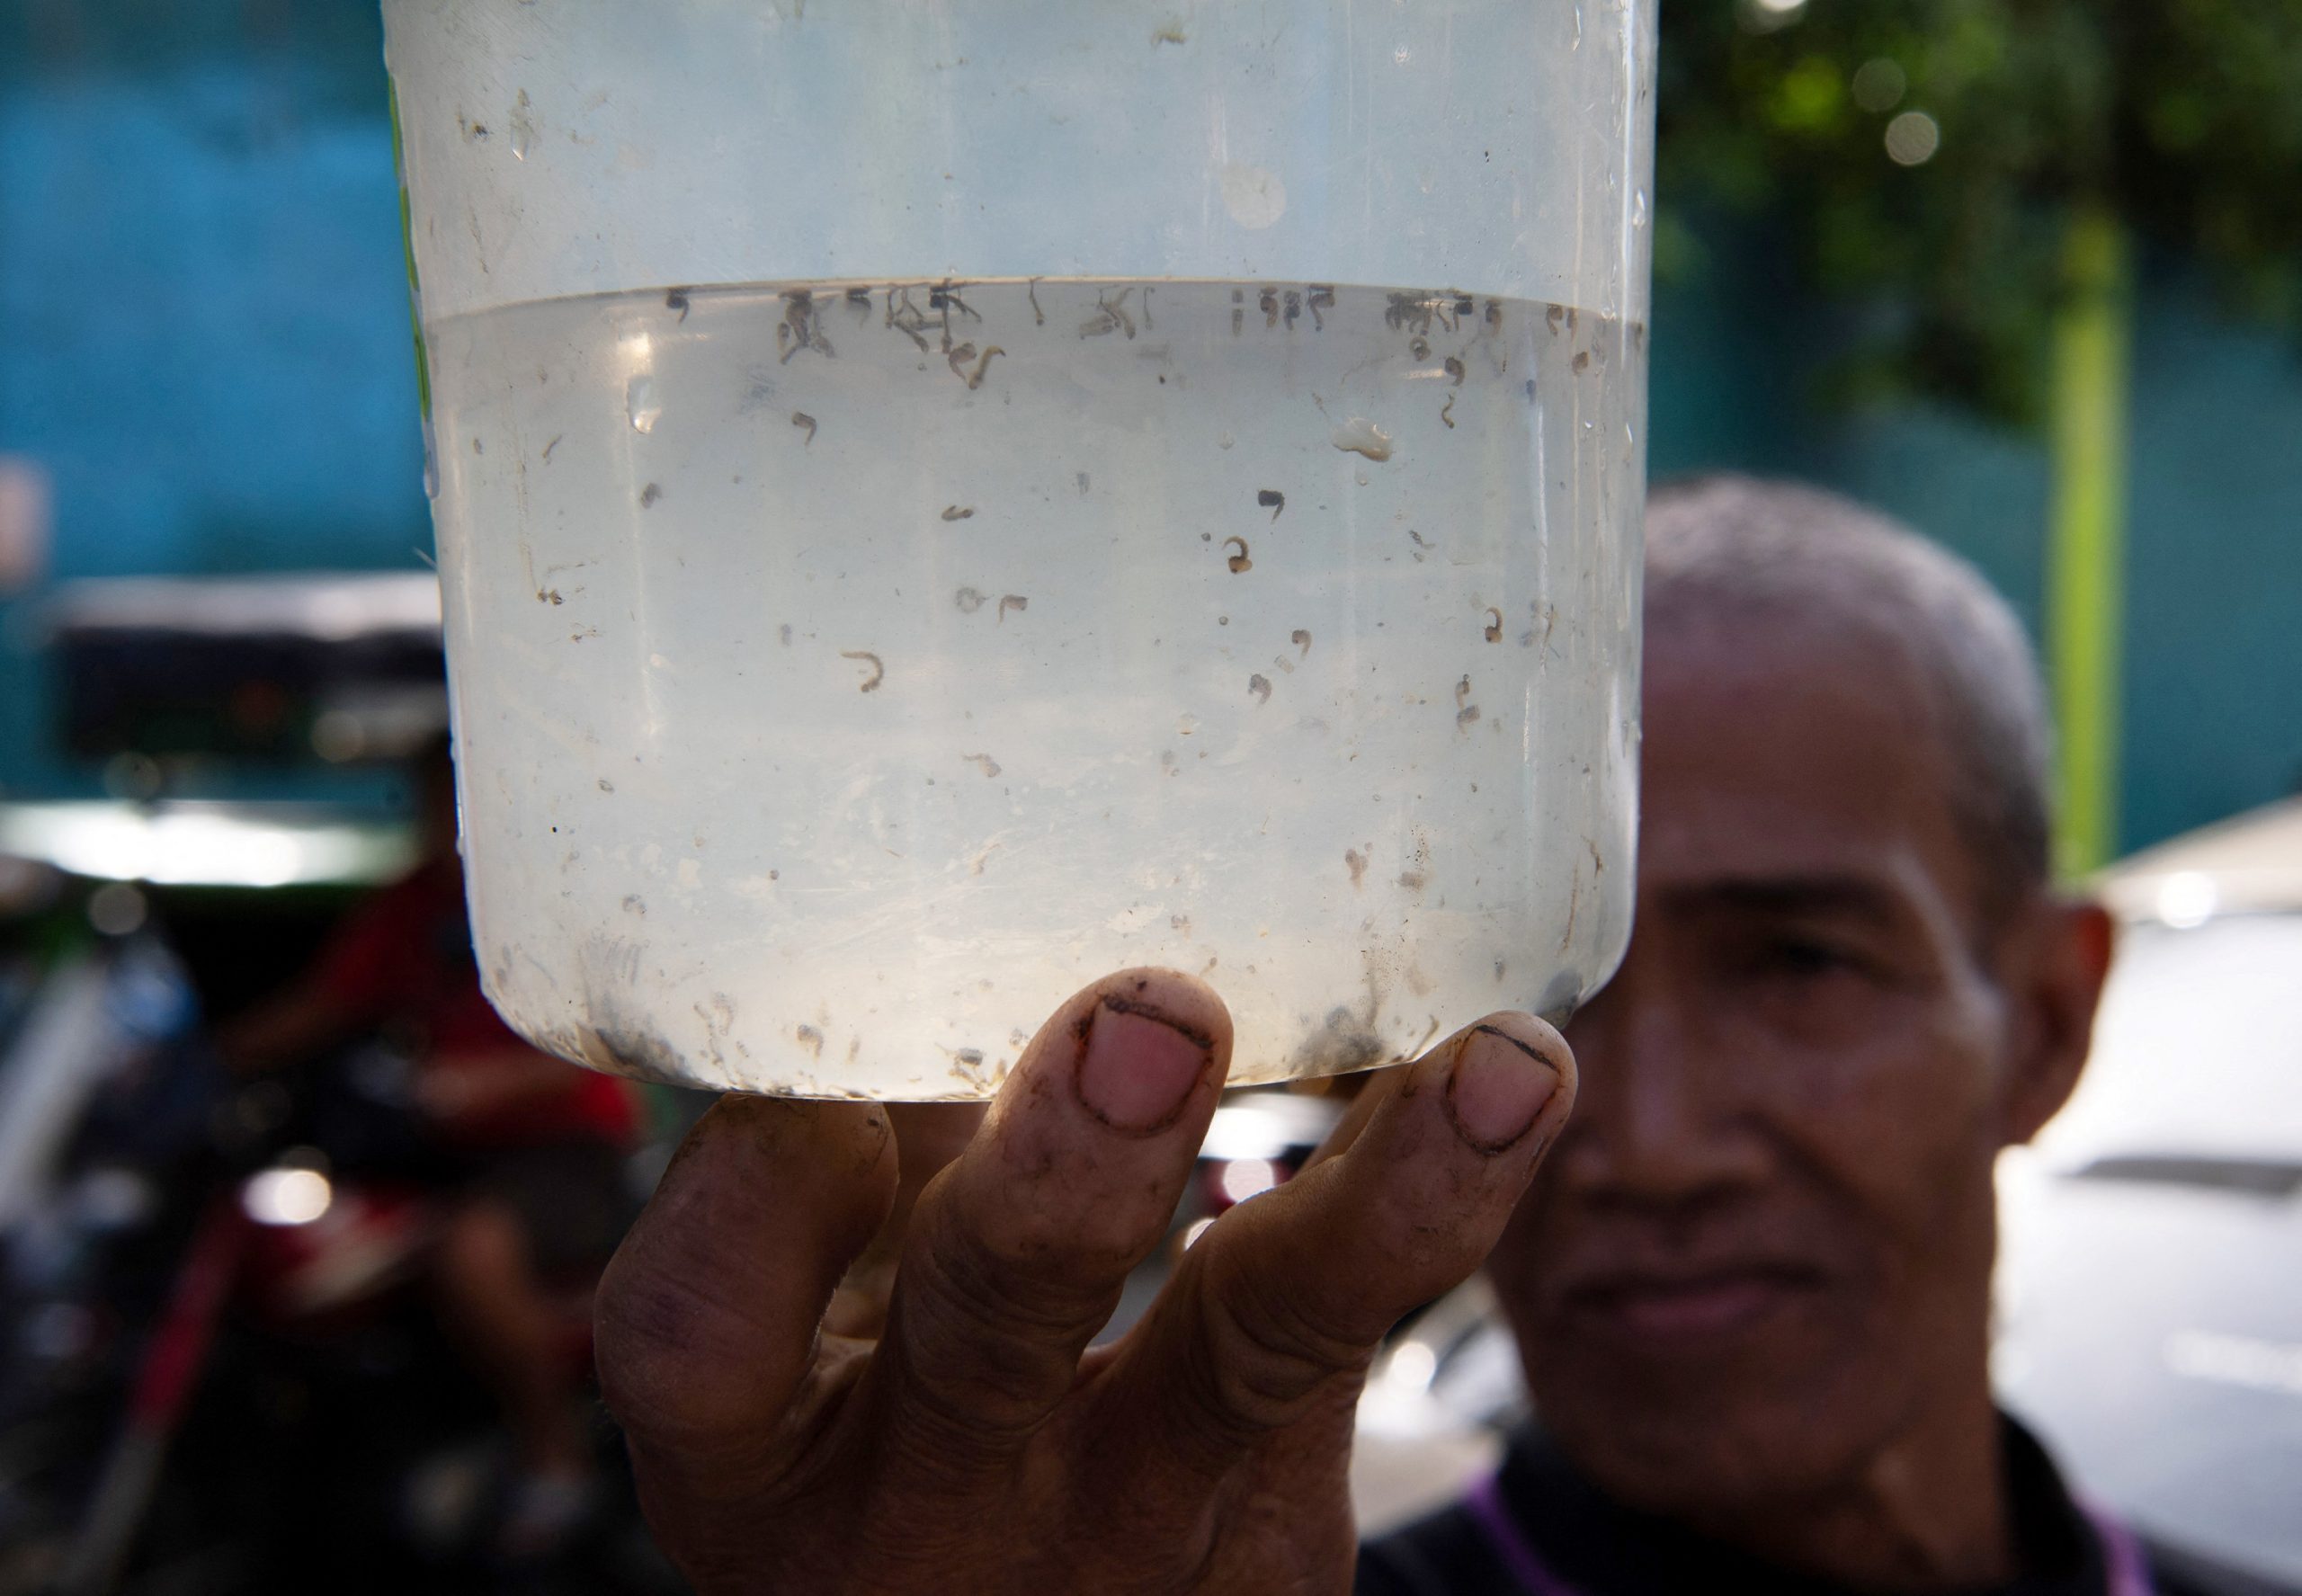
point(1590, 1545)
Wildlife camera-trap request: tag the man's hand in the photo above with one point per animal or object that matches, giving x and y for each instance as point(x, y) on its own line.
point(977, 1445)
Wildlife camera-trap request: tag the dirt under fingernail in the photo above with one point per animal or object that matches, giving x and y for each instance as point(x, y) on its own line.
point(1498, 1089)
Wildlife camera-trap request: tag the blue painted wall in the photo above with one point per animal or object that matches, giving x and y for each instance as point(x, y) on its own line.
point(203, 338)
point(203, 331)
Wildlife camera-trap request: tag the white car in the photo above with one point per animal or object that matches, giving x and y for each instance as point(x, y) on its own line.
point(2150, 1268)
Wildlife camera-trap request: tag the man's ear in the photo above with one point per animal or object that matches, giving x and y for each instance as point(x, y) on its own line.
point(2054, 968)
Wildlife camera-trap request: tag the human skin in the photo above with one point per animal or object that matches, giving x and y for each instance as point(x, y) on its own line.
point(969, 1440)
point(1752, 1283)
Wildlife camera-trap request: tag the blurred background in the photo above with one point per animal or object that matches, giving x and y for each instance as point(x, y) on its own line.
point(2027, 274)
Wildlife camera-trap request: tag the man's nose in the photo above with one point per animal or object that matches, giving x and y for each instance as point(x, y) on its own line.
point(1663, 1118)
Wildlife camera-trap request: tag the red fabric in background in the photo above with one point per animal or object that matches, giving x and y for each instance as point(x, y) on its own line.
point(406, 956)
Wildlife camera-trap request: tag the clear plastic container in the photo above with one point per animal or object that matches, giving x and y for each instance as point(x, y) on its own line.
point(938, 503)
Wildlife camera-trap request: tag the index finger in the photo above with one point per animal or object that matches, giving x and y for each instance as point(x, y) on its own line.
point(1020, 1249)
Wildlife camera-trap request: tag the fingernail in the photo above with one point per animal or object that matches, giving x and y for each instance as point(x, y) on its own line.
point(1138, 1064)
point(1499, 1088)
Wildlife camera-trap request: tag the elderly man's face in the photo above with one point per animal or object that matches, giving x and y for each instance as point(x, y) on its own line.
point(1762, 1248)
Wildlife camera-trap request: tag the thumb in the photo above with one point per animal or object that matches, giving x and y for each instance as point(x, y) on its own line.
point(705, 1323)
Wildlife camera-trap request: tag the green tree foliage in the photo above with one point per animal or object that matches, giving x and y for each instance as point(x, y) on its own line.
point(1927, 154)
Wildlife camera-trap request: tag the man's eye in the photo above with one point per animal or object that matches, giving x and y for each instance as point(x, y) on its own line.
point(1803, 957)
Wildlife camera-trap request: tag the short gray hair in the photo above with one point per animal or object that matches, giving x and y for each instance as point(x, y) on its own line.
point(1772, 552)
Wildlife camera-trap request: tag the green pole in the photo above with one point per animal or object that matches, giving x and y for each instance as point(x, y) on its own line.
point(2086, 538)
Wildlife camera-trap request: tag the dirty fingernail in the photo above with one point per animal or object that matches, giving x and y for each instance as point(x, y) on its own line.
point(1500, 1086)
point(1139, 1064)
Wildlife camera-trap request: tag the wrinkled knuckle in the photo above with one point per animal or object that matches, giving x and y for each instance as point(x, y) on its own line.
point(979, 1334)
point(1086, 1242)
point(1267, 1359)
point(994, 1290)
point(1048, 1212)
point(657, 1344)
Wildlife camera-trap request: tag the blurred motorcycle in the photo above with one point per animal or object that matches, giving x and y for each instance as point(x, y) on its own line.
point(226, 1375)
